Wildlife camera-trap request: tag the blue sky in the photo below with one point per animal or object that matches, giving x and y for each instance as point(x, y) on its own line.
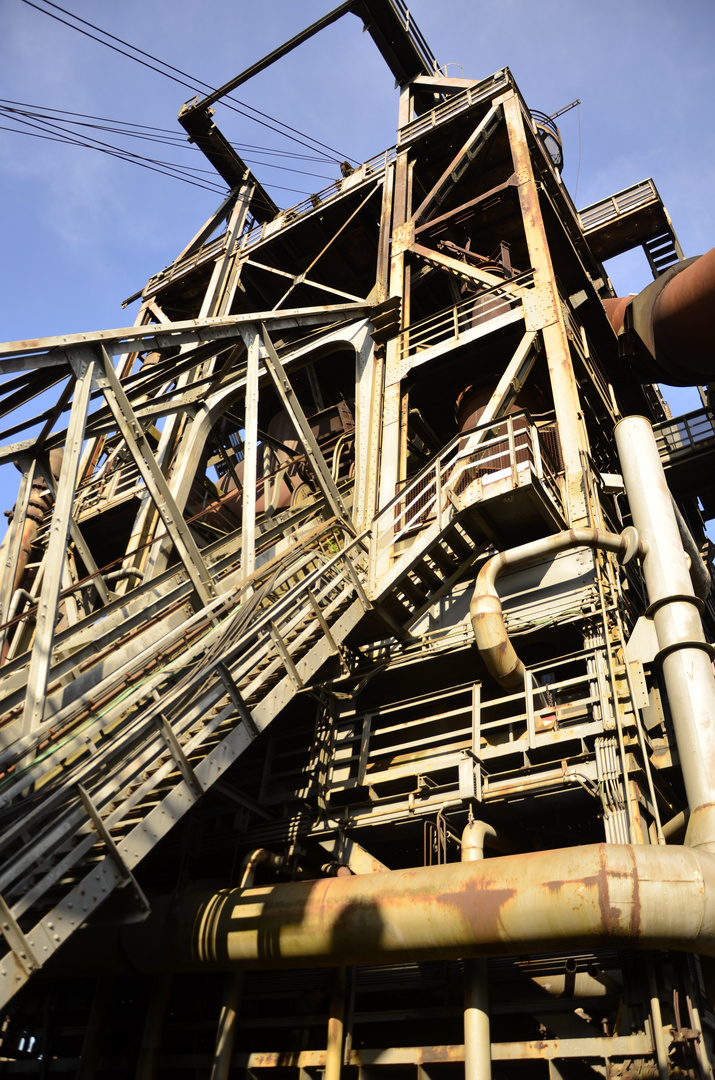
point(82, 230)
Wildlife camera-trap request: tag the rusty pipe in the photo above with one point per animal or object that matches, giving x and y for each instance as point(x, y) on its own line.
point(629, 896)
point(672, 319)
point(485, 608)
point(39, 503)
point(233, 987)
point(636, 896)
point(254, 859)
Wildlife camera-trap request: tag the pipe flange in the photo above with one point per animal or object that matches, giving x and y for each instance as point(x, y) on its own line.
point(686, 643)
point(630, 535)
point(685, 598)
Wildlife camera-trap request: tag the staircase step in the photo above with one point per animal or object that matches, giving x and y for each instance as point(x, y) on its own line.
point(428, 575)
point(444, 560)
point(410, 590)
point(460, 544)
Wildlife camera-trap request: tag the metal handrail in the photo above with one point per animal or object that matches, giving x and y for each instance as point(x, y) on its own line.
point(136, 732)
point(369, 170)
point(623, 202)
point(450, 323)
point(684, 432)
point(455, 104)
point(513, 447)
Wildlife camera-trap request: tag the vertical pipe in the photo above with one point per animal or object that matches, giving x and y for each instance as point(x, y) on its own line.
point(250, 452)
point(227, 1026)
point(150, 1052)
point(656, 1019)
point(336, 1027)
point(233, 986)
point(684, 652)
point(477, 1037)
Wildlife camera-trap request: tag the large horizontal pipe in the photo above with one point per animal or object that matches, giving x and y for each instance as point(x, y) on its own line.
point(642, 897)
point(672, 319)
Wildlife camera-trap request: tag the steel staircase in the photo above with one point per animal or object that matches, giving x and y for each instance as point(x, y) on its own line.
point(443, 520)
point(150, 701)
point(662, 251)
point(126, 749)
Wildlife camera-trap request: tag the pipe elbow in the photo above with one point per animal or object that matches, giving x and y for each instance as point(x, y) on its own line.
point(492, 640)
point(485, 608)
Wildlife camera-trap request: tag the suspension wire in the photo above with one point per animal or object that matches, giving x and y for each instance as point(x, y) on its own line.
point(52, 122)
point(192, 81)
point(169, 133)
point(170, 169)
point(135, 160)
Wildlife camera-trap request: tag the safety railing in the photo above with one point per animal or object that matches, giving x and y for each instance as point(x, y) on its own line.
point(108, 484)
point(556, 696)
point(433, 738)
point(623, 202)
point(369, 171)
point(210, 250)
point(507, 450)
point(159, 722)
point(415, 34)
point(685, 433)
point(452, 323)
point(455, 104)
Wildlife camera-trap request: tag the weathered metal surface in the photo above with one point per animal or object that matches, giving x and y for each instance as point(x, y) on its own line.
point(302, 711)
point(638, 897)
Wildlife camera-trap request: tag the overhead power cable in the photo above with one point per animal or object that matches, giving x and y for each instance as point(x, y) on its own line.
point(198, 86)
point(55, 119)
point(170, 133)
point(189, 174)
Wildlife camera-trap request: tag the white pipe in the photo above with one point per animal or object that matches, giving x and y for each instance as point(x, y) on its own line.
point(685, 655)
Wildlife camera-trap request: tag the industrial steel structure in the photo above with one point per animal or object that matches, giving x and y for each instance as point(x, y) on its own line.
point(358, 709)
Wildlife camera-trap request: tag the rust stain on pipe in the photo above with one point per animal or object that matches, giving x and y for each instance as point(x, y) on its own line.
point(673, 320)
point(643, 897)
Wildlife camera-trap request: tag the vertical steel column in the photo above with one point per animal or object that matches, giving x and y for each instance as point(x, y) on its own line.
point(223, 1053)
point(684, 653)
point(477, 1036)
point(150, 1051)
point(59, 531)
point(222, 286)
point(250, 452)
point(389, 459)
point(548, 315)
